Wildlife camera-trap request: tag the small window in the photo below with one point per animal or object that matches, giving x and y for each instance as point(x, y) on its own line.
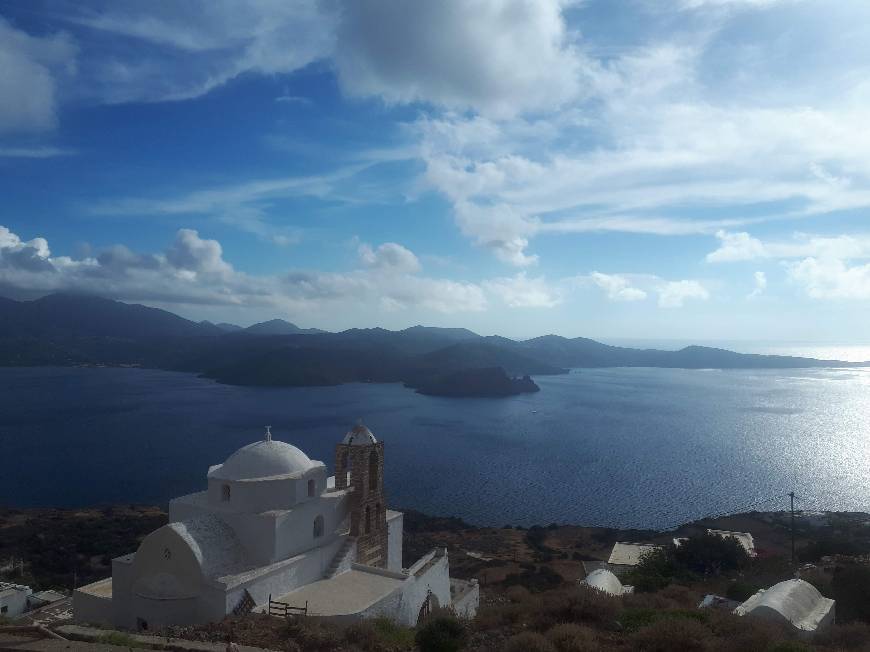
point(318, 527)
point(368, 520)
point(4, 609)
point(225, 493)
point(312, 488)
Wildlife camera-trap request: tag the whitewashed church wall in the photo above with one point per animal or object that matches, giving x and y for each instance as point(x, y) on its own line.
point(395, 527)
point(295, 529)
point(436, 579)
point(309, 568)
point(92, 609)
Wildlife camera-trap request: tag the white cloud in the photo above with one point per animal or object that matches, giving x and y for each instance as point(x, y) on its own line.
point(736, 247)
point(390, 257)
point(673, 294)
point(193, 271)
point(617, 287)
point(520, 291)
point(31, 67)
point(831, 278)
point(495, 57)
point(760, 285)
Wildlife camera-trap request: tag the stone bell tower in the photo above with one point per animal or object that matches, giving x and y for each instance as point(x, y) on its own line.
point(361, 458)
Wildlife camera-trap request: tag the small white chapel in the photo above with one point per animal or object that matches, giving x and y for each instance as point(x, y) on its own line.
point(273, 532)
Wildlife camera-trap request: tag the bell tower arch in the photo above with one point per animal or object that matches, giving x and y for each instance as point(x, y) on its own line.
point(359, 467)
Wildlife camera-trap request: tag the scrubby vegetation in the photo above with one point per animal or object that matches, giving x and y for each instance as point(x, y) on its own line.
point(61, 548)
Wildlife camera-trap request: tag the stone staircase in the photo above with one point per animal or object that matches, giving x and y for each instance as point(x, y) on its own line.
point(343, 558)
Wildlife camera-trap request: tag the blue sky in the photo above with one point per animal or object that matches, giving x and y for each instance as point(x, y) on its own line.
point(690, 169)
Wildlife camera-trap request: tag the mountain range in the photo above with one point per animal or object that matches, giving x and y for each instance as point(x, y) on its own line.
point(68, 329)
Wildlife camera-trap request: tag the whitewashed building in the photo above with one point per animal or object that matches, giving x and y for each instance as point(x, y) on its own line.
point(272, 525)
point(743, 538)
point(794, 602)
point(13, 599)
point(603, 580)
point(630, 554)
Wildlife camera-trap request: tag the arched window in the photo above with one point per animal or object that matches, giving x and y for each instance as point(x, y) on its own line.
point(368, 519)
point(318, 526)
point(373, 470)
point(312, 487)
point(225, 493)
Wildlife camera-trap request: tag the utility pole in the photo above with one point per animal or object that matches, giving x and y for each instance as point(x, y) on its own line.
point(791, 495)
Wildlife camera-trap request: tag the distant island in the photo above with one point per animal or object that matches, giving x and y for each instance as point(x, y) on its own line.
point(81, 330)
point(493, 382)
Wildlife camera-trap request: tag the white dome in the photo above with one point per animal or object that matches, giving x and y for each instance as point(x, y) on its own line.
point(359, 435)
point(603, 580)
point(262, 459)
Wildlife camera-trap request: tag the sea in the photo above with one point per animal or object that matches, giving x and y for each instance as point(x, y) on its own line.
point(620, 447)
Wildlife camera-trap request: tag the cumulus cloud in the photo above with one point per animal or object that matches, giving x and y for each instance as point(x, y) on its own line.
point(736, 247)
point(520, 291)
point(831, 278)
point(673, 294)
point(389, 256)
point(617, 288)
point(32, 66)
point(494, 57)
point(192, 271)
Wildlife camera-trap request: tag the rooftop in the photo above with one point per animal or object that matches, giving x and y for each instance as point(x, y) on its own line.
point(629, 554)
point(347, 593)
point(267, 458)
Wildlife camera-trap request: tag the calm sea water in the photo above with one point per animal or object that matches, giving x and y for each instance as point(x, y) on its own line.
point(618, 447)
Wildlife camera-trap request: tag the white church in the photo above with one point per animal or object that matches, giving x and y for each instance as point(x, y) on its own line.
point(272, 531)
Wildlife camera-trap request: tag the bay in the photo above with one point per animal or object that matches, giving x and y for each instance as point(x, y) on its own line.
point(608, 447)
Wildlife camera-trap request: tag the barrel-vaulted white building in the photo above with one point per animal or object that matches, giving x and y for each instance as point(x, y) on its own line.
point(272, 524)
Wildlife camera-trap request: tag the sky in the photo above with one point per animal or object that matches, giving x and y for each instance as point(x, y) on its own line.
point(678, 169)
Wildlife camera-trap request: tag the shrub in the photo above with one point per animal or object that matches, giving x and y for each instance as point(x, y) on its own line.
point(393, 635)
point(635, 619)
point(654, 571)
point(491, 617)
point(570, 637)
point(851, 590)
point(833, 545)
point(578, 604)
point(529, 642)
point(846, 637)
point(741, 591)
point(441, 634)
point(789, 646)
point(710, 553)
point(740, 634)
point(312, 635)
point(379, 635)
point(680, 596)
point(671, 634)
point(539, 578)
point(517, 593)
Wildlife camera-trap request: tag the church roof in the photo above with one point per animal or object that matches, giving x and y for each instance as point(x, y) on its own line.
point(359, 435)
point(603, 580)
point(796, 601)
point(262, 459)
